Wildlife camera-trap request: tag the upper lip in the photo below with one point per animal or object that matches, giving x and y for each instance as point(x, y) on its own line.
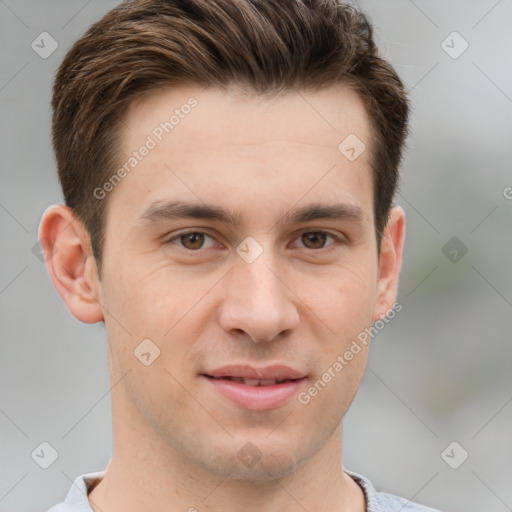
point(275, 371)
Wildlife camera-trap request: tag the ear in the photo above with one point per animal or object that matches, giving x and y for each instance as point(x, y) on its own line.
point(390, 262)
point(70, 262)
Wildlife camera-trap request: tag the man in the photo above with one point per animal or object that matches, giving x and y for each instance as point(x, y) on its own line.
point(228, 168)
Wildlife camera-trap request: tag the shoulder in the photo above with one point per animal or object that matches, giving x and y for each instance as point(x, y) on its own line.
point(76, 499)
point(60, 507)
point(384, 502)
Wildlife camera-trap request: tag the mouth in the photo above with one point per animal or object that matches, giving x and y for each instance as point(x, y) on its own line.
point(253, 382)
point(255, 389)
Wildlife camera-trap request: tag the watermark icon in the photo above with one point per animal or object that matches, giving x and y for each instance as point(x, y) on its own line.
point(44, 45)
point(43, 250)
point(249, 249)
point(146, 352)
point(249, 455)
point(454, 455)
point(454, 249)
point(157, 135)
point(454, 45)
point(44, 455)
point(351, 147)
point(363, 338)
point(507, 192)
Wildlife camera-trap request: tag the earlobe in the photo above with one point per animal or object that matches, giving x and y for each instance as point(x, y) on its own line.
point(390, 262)
point(70, 262)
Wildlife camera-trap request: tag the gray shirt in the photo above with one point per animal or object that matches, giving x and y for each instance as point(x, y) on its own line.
point(76, 499)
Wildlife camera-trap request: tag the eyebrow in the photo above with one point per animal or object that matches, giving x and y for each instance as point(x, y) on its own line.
point(170, 210)
point(319, 211)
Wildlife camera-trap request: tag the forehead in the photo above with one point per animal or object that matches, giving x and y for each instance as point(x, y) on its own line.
point(212, 145)
point(318, 118)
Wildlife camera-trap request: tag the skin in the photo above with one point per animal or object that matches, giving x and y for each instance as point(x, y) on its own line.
point(301, 302)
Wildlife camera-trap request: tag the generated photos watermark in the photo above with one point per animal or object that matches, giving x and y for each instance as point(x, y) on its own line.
point(363, 338)
point(152, 140)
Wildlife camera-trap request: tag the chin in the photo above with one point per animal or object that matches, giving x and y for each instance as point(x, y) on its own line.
point(253, 465)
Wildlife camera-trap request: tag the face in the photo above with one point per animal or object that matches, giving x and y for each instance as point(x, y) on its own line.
point(242, 245)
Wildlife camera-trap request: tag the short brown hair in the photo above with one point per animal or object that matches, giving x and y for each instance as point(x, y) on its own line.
point(265, 46)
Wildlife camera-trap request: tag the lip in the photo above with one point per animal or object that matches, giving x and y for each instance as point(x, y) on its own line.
point(256, 398)
point(275, 371)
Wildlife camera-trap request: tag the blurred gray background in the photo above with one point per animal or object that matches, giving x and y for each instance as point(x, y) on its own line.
point(439, 373)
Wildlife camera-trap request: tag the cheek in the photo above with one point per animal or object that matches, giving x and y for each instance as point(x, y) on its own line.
point(152, 300)
point(151, 326)
point(342, 298)
point(343, 301)
point(164, 306)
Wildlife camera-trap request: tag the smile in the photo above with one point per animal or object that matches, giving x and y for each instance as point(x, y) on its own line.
point(254, 382)
point(255, 394)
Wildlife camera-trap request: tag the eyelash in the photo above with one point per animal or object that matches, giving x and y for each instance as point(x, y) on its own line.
point(336, 240)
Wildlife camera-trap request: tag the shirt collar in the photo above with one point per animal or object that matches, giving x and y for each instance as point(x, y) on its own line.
point(77, 497)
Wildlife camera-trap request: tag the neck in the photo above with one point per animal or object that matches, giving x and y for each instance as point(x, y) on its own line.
point(146, 473)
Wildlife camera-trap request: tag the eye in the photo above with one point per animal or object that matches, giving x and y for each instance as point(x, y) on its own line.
point(192, 240)
point(316, 239)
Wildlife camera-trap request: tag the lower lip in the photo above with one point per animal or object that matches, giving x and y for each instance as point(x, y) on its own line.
point(256, 398)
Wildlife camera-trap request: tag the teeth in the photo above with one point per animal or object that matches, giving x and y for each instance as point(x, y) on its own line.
point(255, 382)
point(251, 382)
point(263, 382)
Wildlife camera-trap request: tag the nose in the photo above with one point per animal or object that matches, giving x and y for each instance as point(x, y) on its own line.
point(259, 303)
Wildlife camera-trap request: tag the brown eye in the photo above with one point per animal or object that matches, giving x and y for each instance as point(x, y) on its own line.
point(195, 241)
point(315, 239)
point(192, 240)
